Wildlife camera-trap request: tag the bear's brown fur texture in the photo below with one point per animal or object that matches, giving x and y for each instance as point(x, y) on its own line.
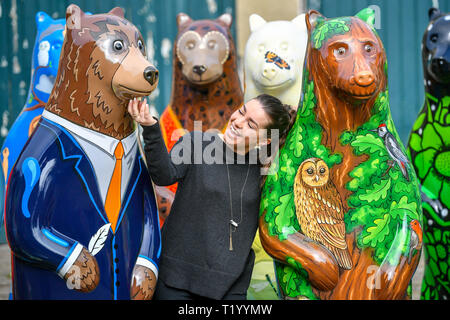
point(339, 106)
point(213, 102)
point(94, 84)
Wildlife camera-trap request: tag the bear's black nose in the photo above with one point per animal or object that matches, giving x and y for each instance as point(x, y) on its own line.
point(199, 69)
point(151, 75)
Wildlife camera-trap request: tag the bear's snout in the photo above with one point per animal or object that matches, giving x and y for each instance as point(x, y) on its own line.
point(364, 78)
point(151, 74)
point(199, 69)
point(440, 67)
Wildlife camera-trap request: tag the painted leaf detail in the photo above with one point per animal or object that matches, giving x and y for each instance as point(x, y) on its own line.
point(98, 239)
point(377, 233)
point(379, 191)
point(369, 143)
point(328, 29)
point(404, 208)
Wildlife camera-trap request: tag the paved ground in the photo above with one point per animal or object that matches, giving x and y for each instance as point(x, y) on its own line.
point(5, 268)
point(5, 277)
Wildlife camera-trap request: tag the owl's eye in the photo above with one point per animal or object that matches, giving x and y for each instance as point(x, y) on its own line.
point(310, 171)
point(322, 170)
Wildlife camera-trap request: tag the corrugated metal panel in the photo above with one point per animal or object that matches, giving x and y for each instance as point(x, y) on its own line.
point(156, 19)
point(402, 23)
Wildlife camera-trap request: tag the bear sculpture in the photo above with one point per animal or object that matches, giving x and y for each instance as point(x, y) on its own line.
point(205, 85)
point(341, 214)
point(274, 57)
point(80, 212)
point(429, 148)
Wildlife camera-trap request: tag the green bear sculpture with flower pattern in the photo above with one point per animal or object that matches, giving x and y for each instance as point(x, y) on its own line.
point(429, 148)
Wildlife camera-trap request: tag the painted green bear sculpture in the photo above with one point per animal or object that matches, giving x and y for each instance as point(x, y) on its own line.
point(341, 211)
point(429, 148)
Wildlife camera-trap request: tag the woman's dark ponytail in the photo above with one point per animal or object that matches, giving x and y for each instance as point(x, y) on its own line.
point(283, 117)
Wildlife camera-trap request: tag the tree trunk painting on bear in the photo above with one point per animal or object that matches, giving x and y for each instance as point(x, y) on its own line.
point(338, 215)
point(429, 149)
point(80, 212)
point(205, 85)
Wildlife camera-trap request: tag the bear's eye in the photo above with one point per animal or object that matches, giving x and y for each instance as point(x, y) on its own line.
point(368, 48)
point(190, 45)
point(434, 38)
point(118, 45)
point(140, 45)
point(310, 171)
point(340, 51)
point(211, 44)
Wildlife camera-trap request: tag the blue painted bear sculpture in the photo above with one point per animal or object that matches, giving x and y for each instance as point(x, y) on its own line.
point(44, 67)
point(45, 60)
point(80, 212)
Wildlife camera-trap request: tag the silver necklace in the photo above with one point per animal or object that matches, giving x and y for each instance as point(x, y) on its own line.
point(234, 224)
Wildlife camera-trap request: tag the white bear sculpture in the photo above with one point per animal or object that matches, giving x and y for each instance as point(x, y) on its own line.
point(273, 59)
point(273, 64)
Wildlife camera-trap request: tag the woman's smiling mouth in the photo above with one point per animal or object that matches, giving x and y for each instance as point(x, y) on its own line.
point(233, 130)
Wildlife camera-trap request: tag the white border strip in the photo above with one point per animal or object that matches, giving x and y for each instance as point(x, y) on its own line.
point(73, 256)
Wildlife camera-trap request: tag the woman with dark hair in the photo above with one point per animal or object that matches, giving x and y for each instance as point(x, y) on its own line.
point(207, 238)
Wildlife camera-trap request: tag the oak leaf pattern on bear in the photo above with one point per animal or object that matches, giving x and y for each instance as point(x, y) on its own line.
point(340, 109)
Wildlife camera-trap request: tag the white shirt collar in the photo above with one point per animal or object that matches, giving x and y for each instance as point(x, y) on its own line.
point(103, 141)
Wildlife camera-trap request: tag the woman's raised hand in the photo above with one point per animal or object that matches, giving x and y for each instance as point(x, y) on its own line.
point(140, 112)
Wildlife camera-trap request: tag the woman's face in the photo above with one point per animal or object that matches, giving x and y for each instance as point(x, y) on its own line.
point(244, 129)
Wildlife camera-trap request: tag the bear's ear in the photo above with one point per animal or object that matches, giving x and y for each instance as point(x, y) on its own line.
point(226, 18)
point(256, 22)
point(433, 13)
point(182, 19)
point(367, 15)
point(42, 19)
point(312, 18)
point(73, 17)
point(117, 11)
point(300, 21)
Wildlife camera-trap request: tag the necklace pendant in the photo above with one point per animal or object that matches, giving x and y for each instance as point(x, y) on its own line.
point(231, 240)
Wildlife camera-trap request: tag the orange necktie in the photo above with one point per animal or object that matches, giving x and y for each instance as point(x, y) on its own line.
point(113, 202)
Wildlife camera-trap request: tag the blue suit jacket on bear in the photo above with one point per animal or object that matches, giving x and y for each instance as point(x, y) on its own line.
point(53, 204)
